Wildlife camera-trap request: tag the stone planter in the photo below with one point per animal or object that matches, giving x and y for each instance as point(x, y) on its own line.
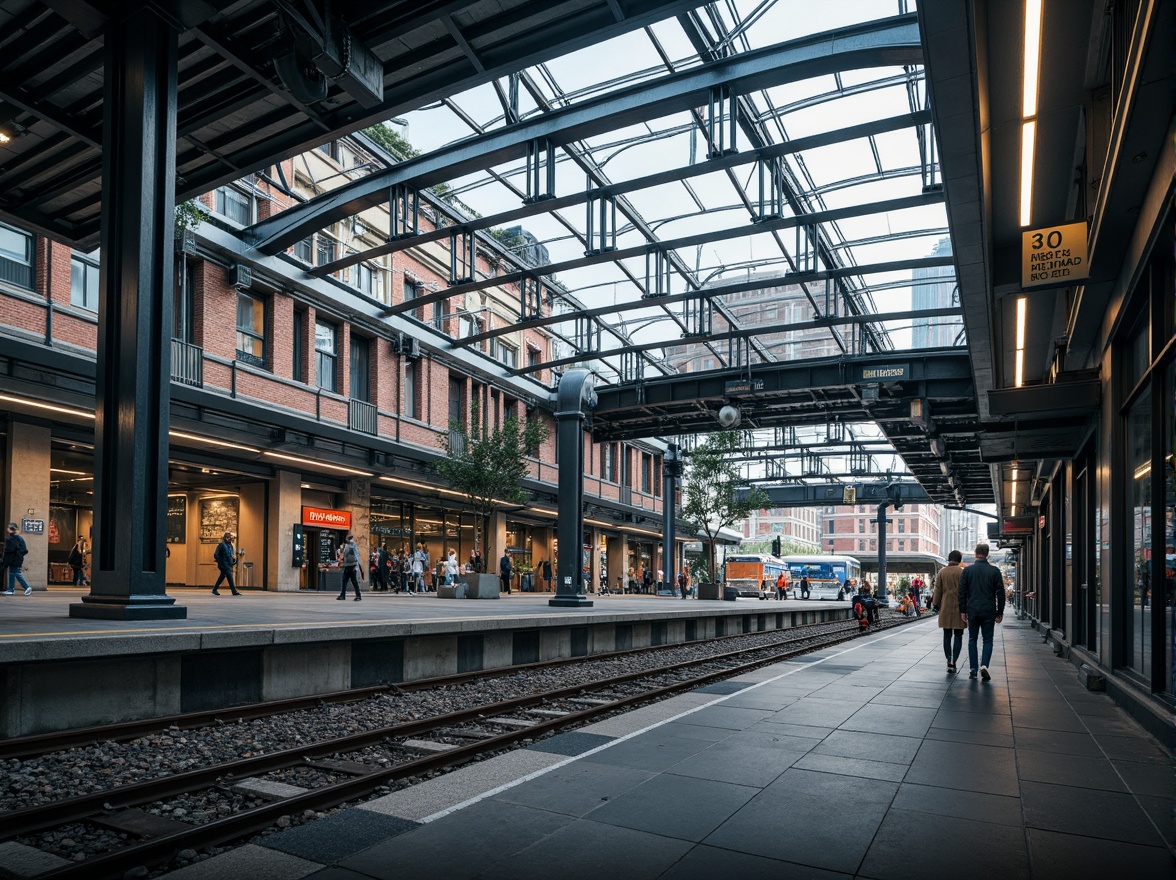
point(481, 586)
point(456, 590)
point(708, 591)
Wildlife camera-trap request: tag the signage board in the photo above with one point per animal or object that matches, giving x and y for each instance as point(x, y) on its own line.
point(32, 526)
point(1017, 525)
point(1054, 256)
point(885, 373)
point(743, 386)
point(177, 519)
point(389, 531)
point(325, 518)
point(297, 548)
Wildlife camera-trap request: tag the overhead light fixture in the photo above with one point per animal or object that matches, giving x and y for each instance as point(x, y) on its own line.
point(317, 464)
point(49, 407)
point(1029, 89)
point(1019, 354)
point(224, 444)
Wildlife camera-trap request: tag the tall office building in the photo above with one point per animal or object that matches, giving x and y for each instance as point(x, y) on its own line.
point(929, 294)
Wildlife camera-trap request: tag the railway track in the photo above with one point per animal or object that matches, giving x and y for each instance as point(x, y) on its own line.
point(255, 793)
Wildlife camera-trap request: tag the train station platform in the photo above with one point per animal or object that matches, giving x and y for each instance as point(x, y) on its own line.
point(865, 760)
point(58, 672)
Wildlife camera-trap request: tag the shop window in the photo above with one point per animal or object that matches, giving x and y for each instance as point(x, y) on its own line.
point(360, 377)
point(16, 257)
point(1139, 482)
point(411, 400)
point(250, 329)
point(83, 282)
point(326, 356)
point(237, 206)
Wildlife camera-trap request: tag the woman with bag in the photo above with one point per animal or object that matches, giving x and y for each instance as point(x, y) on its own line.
point(451, 568)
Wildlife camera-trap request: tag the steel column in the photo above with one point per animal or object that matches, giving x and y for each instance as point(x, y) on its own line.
point(134, 323)
point(671, 471)
point(575, 397)
point(880, 587)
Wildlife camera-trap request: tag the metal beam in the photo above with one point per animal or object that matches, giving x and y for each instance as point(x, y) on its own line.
point(824, 494)
point(893, 41)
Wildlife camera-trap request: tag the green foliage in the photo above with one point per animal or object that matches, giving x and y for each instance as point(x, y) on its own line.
point(489, 466)
point(392, 141)
point(904, 585)
point(711, 496)
point(188, 215)
point(787, 548)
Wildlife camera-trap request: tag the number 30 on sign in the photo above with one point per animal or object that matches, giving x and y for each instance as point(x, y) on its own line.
point(1054, 256)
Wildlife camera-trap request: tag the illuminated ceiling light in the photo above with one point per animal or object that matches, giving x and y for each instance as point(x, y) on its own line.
point(317, 464)
point(421, 488)
point(36, 404)
point(54, 470)
point(1019, 357)
point(1144, 470)
point(222, 443)
point(1019, 377)
point(1028, 137)
point(1032, 57)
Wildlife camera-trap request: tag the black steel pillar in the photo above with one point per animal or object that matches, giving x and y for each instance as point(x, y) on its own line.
point(671, 471)
point(134, 323)
point(574, 398)
point(880, 587)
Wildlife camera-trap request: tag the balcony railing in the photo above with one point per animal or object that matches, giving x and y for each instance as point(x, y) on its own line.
point(361, 416)
point(187, 363)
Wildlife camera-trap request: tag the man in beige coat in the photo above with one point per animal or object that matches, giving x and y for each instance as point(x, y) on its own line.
point(947, 599)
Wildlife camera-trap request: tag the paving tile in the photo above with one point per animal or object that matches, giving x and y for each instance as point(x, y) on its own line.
point(655, 751)
point(875, 746)
point(918, 701)
point(1106, 815)
point(686, 730)
point(969, 696)
point(978, 722)
point(800, 731)
point(459, 846)
point(897, 720)
point(1042, 720)
point(859, 768)
point(586, 850)
point(957, 802)
point(1133, 748)
point(980, 738)
point(1075, 856)
point(334, 872)
point(675, 806)
point(709, 863)
point(815, 712)
point(1062, 741)
point(251, 861)
point(799, 794)
point(965, 765)
point(1162, 812)
point(575, 789)
point(1056, 768)
point(738, 763)
point(728, 717)
point(722, 687)
point(572, 743)
point(771, 736)
point(337, 836)
point(947, 852)
point(1147, 779)
point(755, 700)
point(1117, 724)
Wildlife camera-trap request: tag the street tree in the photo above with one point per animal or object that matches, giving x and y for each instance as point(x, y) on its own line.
point(715, 495)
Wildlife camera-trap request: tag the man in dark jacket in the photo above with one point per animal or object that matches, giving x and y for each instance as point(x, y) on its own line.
point(505, 571)
point(982, 600)
point(15, 550)
point(225, 557)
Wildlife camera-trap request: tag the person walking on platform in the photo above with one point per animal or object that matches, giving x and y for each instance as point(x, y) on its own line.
point(452, 568)
point(15, 550)
point(945, 597)
point(804, 586)
point(547, 574)
point(982, 600)
point(77, 561)
point(781, 586)
point(225, 557)
point(505, 571)
point(349, 560)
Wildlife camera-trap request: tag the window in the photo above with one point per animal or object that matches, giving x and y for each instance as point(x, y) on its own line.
point(184, 305)
point(901, 545)
point(304, 250)
point(608, 462)
point(914, 544)
point(16, 257)
point(439, 314)
point(83, 283)
point(466, 326)
point(533, 355)
point(326, 249)
point(232, 203)
point(861, 545)
point(410, 390)
point(366, 279)
point(646, 473)
point(250, 329)
point(410, 289)
point(901, 526)
point(862, 526)
point(326, 355)
point(505, 354)
point(298, 360)
point(456, 400)
point(510, 410)
point(360, 378)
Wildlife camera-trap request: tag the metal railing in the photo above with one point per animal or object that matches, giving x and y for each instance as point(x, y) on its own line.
point(187, 363)
point(361, 416)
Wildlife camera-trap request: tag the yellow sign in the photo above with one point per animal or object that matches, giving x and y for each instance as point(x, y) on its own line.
point(849, 495)
point(1054, 256)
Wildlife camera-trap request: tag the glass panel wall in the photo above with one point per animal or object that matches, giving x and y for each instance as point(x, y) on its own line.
point(1139, 501)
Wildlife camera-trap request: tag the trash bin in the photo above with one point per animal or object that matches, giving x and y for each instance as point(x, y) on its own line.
point(246, 574)
point(730, 594)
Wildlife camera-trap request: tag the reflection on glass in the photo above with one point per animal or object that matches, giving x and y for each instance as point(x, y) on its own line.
point(1169, 452)
point(1139, 464)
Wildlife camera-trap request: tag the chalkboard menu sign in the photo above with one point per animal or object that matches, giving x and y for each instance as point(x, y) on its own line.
point(326, 548)
point(177, 519)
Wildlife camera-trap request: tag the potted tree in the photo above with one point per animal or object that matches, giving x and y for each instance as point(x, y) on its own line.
point(488, 466)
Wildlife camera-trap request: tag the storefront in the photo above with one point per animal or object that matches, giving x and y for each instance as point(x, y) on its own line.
point(71, 511)
point(322, 532)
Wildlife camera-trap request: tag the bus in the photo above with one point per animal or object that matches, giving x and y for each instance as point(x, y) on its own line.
point(751, 573)
point(827, 574)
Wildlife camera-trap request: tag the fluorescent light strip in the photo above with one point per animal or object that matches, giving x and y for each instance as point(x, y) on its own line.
point(316, 464)
point(1032, 57)
point(210, 441)
point(1022, 309)
point(1019, 376)
point(1028, 138)
point(35, 404)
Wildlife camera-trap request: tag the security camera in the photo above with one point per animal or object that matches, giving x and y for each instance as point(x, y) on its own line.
point(729, 416)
